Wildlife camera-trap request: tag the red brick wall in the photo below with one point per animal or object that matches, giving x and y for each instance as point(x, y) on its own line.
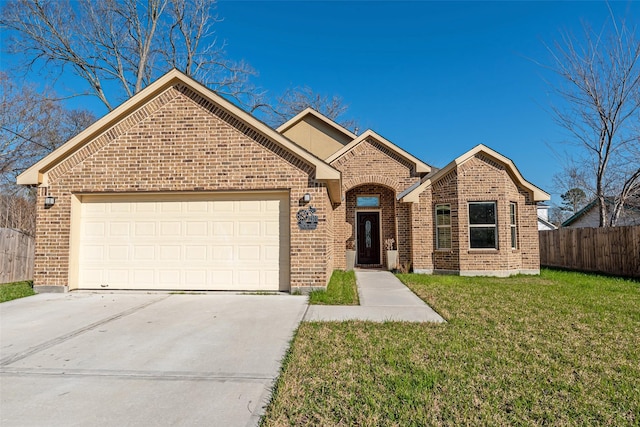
point(445, 191)
point(479, 179)
point(422, 234)
point(483, 179)
point(182, 142)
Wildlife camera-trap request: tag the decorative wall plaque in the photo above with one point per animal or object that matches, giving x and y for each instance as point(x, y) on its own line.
point(307, 218)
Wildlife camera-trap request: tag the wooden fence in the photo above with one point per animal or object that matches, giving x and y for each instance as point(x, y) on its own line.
point(613, 251)
point(16, 256)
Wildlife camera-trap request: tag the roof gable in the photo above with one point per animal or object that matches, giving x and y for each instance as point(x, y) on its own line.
point(37, 174)
point(413, 195)
point(310, 112)
point(419, 165)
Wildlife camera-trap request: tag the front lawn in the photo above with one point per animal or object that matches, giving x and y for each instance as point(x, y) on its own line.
point(15, 290)
point(559, 349)
point(341, 290)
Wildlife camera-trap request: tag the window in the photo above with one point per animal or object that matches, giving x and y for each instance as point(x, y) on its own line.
point(443, 227)
point(483, 232)
point(514, 225)
point(368, 201)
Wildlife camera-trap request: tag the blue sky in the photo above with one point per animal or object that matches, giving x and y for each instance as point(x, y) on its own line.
point(435, 78)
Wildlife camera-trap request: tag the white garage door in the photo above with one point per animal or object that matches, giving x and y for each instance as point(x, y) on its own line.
point(231, 242)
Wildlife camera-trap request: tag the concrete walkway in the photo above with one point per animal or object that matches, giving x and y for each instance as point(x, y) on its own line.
point(382, 298)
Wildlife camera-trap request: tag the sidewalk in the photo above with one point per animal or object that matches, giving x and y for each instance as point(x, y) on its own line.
point(382, 298)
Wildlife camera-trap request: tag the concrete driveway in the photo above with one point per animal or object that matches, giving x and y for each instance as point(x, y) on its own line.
point(87, 359)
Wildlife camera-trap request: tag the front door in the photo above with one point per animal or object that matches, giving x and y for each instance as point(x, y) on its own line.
point(368, 242)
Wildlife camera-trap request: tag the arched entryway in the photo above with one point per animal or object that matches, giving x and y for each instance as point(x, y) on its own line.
point(370, 212)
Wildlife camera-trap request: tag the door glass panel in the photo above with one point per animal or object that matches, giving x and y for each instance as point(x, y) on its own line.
point(367, 231)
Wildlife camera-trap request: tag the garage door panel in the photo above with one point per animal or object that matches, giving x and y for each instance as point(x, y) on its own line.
point(249, 228)
point(144, 278)
point(170, 244)
point(119, 229)
point(272, 206)
point(115, 276)
point(197, 206)
point(195, 279)
point(196, 253)
point(224, 206)
point(271, 278)
point(220, 278)
point(169, 207)
point(168, 278)
point(197, 228)
point(222, 253)
point(170, 229)
point(95, 229)
point(144, 253)
point(249, 253)
point(92, 253)
point(250, 279)
point(145, 229)
point(94, 208)
point(121, 207)
point(118, 253)
point(272, 228)
point(223, 229)
point(249, 206)
point(170, 253)
point(271, 253)
point(94, 276)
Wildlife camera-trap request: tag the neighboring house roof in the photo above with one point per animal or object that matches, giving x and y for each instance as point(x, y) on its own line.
point(37, 174)
point(419, 165)
point(547, 224)
point(573, 218)
point(310, 111)
point(538, 194)
point(632, 207)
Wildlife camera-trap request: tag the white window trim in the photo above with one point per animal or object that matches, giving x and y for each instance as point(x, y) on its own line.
point(495, 225)
point(513, 225)
point(438, 248)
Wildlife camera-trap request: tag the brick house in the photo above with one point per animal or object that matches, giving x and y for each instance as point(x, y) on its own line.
point(179, 189)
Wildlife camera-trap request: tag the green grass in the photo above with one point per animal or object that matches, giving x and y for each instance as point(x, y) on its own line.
point(559, 349)
point(11, 291)
point(342, 290)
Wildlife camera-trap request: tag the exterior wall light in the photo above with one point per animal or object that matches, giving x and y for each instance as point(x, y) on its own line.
point(49, 201)
point(306, 198)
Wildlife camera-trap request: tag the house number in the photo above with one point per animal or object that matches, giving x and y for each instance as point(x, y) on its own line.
point(307, 219)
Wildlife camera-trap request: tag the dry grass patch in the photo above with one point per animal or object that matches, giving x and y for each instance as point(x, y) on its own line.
point(559, 349)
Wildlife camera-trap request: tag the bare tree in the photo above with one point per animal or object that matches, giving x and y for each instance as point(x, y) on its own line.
point(119, 46)
point(32, 124)
point(298, 99)
point(600, 89)
point(17, 211)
